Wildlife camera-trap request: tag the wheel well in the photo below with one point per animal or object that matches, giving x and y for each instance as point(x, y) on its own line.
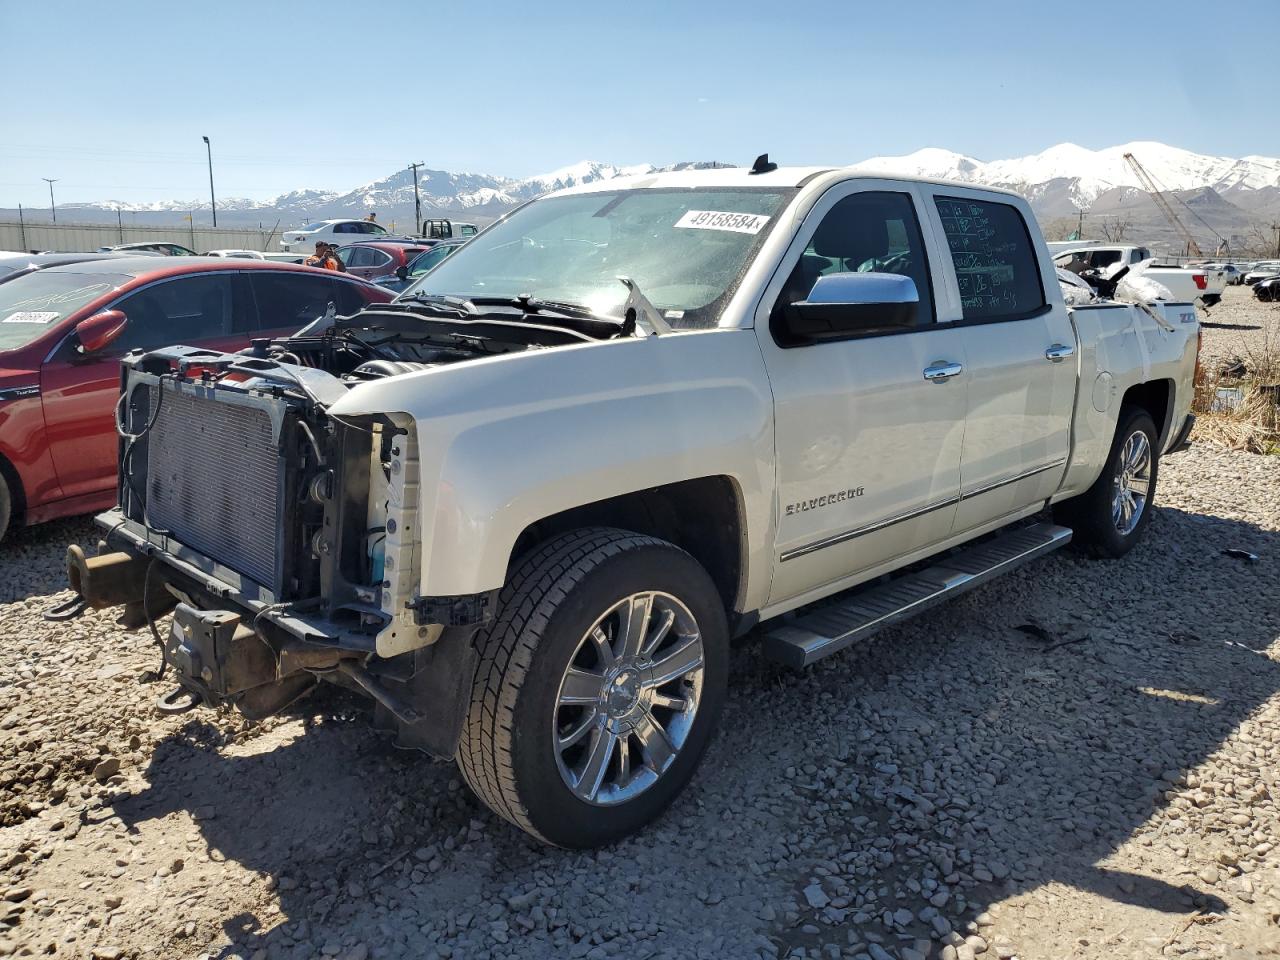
point(18, 504)
point(1155, 397)
point(702, 517)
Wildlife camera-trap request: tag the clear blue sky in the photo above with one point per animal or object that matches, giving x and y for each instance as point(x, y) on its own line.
point(112, 98)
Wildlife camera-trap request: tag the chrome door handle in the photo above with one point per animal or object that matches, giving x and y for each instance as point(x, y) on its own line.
point(1059, 352)
point(942, 370)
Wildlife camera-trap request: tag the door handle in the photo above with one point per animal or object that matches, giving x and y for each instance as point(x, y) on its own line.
point(942, 370)
point(1059, 352)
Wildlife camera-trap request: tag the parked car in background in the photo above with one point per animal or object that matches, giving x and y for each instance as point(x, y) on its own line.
point(163, 249)
point(236, 254)
point(285, 257)
point(448, 229)
point(337, 232)
point(377, 258)
point(1268, 290)
point(1231, 273)
point(1262, 270)
point(64, 329)
point(18, 264)
point(1185, 283)
point(407, 274)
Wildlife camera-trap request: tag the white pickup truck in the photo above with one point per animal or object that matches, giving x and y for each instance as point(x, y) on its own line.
point(525, 507)
point(1202, 283)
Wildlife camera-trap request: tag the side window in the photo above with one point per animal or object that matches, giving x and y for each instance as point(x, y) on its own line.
point(865, 232)
point(183, 310)
point(345, 254)
point(348, 298)
point(344, 228)
point(359, 256)
point(1104, 258)
point(467, 231)
point(290, 300)
point(379, 258)
point(376, 229)
point(994, 259)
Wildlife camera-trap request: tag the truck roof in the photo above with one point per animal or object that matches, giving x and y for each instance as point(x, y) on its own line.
point(743, 177)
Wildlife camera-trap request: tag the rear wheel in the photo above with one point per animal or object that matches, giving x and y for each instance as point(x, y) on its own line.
point(599, 686)
point(6, 507)
point(1110, 517)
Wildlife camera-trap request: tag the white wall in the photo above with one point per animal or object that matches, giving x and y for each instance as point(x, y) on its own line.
point(72, 237)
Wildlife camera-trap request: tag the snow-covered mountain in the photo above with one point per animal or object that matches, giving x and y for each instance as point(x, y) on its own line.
point(1083, 175)
point(439, 190)
point(1059, 182)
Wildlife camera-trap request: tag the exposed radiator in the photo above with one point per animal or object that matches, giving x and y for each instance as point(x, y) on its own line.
point(214, 483)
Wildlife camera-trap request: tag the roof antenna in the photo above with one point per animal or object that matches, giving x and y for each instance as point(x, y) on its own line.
point(762, 164)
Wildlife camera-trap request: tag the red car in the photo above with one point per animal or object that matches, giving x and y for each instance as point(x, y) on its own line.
point(64, 329)
point(379, 258)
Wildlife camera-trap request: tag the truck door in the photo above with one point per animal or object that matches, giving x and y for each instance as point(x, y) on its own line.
point(868, 429)
point(1020, 346)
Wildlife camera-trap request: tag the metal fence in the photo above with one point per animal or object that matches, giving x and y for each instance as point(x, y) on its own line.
point(75, 237)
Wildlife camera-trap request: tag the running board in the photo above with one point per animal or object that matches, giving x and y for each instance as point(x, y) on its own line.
point(832, 628)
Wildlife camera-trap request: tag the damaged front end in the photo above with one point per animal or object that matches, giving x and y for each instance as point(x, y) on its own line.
point(283, 538)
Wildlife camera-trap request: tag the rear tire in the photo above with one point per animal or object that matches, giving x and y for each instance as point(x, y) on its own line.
point(1110, 517)
point(6, 508)
point(573, 734)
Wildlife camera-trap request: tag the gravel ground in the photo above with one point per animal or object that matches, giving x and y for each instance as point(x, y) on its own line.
point(1240, 325)
point(955, 788)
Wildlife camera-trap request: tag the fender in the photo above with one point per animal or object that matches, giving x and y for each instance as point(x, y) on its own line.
point(590, 422)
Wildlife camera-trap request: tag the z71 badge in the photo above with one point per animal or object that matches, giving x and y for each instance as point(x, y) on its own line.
point(824, 501)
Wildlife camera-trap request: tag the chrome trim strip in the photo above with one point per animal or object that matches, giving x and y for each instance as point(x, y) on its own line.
point(862, 531)
point(1008, 480)
point(901, 518)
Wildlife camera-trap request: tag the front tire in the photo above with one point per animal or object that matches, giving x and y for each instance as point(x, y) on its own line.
point(599, 686)
point(1110, 517)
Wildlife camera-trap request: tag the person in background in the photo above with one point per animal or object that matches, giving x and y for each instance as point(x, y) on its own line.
point(372, 217)
point(317, 259)
point(325, 258)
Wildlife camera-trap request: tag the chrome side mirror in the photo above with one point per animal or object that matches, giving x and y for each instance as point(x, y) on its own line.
point(842, 305)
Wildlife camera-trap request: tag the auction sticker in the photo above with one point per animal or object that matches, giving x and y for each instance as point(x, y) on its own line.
point(718, 220)
point(32, 316)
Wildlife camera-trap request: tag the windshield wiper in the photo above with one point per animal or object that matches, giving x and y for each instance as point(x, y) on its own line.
point(579, 317)
point(459, 305)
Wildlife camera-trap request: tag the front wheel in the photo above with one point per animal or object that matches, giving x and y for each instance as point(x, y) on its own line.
point(1110, 517)
point(598, 689)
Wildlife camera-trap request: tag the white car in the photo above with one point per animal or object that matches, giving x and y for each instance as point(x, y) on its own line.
point(1262, 270)
point(238, 254)
point(337, 232)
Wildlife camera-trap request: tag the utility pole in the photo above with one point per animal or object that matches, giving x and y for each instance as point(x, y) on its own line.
point(53, 210)
point(417, 201)
point(212, 203)
point(22, 227)
point(1276, 228)
point(120, 223)
point(1080, 227)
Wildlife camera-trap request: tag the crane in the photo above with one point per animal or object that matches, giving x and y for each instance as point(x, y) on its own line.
point(1158, 195)
point(1149, 184)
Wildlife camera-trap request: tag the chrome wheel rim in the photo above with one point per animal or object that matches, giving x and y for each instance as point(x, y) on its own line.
point(1131, 487)
point(628, 698)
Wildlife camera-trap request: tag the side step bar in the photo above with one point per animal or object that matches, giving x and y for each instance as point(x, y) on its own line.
point(835, 626)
